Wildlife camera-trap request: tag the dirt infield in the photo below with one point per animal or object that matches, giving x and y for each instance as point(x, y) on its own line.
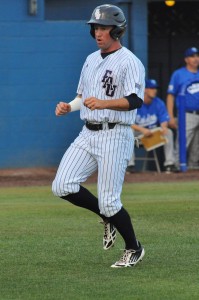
point(44, 176)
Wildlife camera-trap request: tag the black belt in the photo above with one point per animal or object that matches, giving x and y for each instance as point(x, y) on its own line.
point(195, 112)
point(96, 127)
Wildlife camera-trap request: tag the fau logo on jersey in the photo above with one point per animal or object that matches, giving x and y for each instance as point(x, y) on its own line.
point(108, 84)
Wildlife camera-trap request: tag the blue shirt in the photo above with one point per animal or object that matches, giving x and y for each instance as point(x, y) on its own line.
point(153, 114)
point(179, 78)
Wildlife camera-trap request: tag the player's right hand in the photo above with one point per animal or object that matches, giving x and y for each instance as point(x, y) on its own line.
point(172, 123)
point(62, 108)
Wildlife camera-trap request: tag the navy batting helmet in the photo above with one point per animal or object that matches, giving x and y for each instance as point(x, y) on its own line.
point(109, 15)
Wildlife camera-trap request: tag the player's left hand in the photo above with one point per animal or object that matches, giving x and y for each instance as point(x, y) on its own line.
point(93, 103)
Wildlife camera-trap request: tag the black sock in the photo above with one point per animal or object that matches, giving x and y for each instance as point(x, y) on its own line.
point(122, 222)
point(85, 199)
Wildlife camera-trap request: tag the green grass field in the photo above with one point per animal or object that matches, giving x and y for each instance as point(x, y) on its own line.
point(53, 250)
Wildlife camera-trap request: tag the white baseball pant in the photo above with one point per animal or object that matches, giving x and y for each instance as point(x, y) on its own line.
point(107, 151)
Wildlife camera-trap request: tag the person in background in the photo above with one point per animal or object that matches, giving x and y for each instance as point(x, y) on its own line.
point(180, 77)
point(152, 114)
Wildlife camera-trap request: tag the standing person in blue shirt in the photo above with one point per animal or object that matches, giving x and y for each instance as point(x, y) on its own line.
point(180, 77)
point(152, 114)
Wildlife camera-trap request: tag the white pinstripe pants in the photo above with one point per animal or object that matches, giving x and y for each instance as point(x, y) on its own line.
point(107, 151)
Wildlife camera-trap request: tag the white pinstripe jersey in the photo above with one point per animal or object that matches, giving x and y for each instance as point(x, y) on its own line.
point(116, 76)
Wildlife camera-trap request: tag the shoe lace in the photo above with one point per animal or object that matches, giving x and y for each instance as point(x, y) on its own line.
point(126, 255)
point(106, 227)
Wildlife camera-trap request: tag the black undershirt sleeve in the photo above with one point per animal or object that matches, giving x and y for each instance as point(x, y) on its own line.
point(134, 101)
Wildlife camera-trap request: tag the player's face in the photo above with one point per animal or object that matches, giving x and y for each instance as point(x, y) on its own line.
point(104, 41)
point(149, 94)
point(193, 61)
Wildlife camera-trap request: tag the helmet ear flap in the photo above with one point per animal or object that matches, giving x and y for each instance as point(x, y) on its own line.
point(116, 33)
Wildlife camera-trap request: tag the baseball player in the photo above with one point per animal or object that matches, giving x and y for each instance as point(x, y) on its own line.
point(178, 79)
point(152, 114)
point(110, 89)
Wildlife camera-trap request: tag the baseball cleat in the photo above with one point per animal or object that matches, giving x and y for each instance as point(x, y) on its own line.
point(109, 235)
point(130, 258)
point(171, 169)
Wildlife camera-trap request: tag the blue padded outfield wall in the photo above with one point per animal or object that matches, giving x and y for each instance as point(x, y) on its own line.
point(40, 64)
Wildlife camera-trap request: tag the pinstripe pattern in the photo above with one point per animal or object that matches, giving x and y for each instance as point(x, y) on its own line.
point(94, 150)
point(127, 75)
point(109, 150)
